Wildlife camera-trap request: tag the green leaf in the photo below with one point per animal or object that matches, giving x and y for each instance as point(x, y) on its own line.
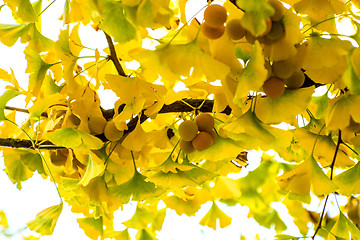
point(92, 227)
point(93, 169)
point(9, 94)
point(215, 214)
point(32, 160)
point(285, 107)
point(45, 221)
point(256, 11)
point(268, 219)
point(74, 138)
point(343, 227)
point(116, 24)
point(10, 33)
point(349, 181)
point(16, 170)
point(22, 9)
point(136, 189)
point(253, 76)
point(37, 69)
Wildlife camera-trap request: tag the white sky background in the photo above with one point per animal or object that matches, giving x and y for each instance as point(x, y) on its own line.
point(38, 194)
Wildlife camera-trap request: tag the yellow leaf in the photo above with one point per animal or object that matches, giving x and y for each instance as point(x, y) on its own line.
point(93, 227)
point(45, 221)
point(136, 140)
point(253, 76)
point(214, 215)
point(285, 107)
point(299, 179)
point(94, 168)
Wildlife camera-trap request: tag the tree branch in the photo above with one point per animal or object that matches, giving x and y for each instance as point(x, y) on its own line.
point(331, 177)
point(113, 56)
point(23, 143)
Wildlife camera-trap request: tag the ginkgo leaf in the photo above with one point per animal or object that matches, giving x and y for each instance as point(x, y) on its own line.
point(321, 9)
point(172, 166)
point(31, 159)
point(299, 179)
point(38, 42)
point(181, 206)
point(37, 69)
point(93, 227)
point(222, 149)
point(255, 14)
point(349, 181)
point(340, 111)
point(16, 170)
point(351, 77)
point(42, 104)
point(74, 138)
point(324, 148)
point(115, 23)
point(214, 215)
point(248, 126)
point(144, 234)
point(118, 235)
point(252, 77)
point(172, 180)
point(225, 188)
point(9, 94)
point(45, 221)
point(94, 168)
point(175, 60)
point(285, 107)
point(343, 227)
point(136, 189)
point(146, 217)
point(22, 9)
point(269, 219)
point(136, 140)
point(3, 221)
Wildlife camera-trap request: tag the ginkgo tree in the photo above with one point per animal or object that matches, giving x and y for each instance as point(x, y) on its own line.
point(246, 67)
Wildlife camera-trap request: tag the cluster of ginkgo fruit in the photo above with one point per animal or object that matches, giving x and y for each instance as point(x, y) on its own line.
point(98, 125)
point(197, 135)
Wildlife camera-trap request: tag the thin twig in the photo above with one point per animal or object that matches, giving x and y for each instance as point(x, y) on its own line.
point(331, 177)
point(113, 56)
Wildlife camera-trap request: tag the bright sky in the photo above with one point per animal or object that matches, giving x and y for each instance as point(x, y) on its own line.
point(38, 194)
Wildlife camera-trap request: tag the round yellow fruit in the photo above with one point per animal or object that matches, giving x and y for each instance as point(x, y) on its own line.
point(111, 132)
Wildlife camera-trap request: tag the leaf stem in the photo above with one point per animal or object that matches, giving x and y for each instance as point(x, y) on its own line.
point(46, 8)
point(42, 158)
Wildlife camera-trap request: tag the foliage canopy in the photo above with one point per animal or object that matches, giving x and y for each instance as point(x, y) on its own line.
point(101, 159)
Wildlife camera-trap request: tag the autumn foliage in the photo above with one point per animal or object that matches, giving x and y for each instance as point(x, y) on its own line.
point(280, 76)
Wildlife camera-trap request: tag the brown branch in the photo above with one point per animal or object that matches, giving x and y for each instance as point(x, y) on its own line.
point(113, 56)
point(331, 177)
point(23, 143)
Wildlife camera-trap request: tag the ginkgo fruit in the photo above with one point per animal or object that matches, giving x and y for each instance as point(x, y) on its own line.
point(277, 31)
point(215, 16)
point(74, 119)
point(186, 146)
point(59, 157)
point(188, 130)
point(268, 27)
point(296, 80)
point(213, 134)
point(284, 68)
point(96, 124)
point(212, 33)
point(234, 29)
point(205, 122)
point(111, 132)
point(279, 9)
point(202, 141)
point(274, 87)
